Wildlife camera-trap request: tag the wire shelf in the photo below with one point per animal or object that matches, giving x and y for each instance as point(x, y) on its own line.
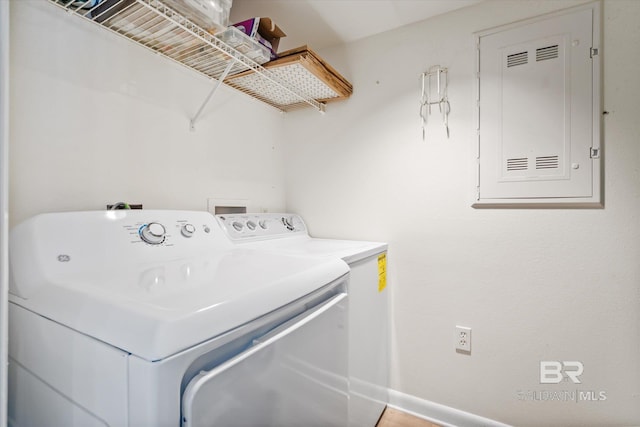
point(155, 26)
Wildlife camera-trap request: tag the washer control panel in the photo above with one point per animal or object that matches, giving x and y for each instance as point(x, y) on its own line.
point(261, 226)
point(155, 233)
point(168, 231)
point(67, 245)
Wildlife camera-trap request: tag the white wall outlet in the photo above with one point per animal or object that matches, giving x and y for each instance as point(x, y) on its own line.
point(463, 339)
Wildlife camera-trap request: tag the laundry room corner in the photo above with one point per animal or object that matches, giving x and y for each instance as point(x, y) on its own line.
point(532, 284)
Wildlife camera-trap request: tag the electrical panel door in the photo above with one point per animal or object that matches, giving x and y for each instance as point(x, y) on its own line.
point(538, 112)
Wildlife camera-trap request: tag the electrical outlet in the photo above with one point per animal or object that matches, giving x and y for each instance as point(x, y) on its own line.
point(463, 339)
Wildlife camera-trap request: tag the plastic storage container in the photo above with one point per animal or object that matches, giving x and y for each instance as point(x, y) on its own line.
point(263, 30)
point(245, 44)
point(211, 15)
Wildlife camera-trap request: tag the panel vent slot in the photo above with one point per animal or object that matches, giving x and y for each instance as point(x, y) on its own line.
point(549, 52)
point(547, 162)
point(518, 164)
point(517, 59)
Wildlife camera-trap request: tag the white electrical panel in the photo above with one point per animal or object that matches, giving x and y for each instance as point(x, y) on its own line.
point(539, 111)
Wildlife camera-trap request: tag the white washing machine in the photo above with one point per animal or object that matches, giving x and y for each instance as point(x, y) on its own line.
point(153, 318)
point(368, 299)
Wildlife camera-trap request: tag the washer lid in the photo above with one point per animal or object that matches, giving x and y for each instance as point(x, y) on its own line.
point(155, 311)
point(92, 272)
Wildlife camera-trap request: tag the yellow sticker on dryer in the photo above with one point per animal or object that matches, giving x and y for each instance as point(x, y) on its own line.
point(382, 272)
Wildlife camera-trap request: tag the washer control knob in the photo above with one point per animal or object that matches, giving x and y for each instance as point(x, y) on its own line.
point(237, 225)
point(263, 224)
point(187, 230)
point(251, 225)
point(153, 233)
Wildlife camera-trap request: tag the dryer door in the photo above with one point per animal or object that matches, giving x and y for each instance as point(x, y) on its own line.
point(296, 375)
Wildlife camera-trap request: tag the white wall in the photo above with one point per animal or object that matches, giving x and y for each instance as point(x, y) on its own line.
point(554, 284)
point(96, 120)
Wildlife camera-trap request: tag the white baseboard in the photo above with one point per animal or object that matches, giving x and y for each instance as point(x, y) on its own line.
point(437, 413)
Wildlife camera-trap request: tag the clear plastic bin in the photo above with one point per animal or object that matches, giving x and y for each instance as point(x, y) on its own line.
point(245, 44)
point(211, 15)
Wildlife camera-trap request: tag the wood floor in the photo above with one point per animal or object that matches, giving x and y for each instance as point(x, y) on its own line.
point(394, 418)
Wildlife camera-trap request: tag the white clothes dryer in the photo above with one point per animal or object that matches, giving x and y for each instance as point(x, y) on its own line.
point(153, 318)
point(368, 298)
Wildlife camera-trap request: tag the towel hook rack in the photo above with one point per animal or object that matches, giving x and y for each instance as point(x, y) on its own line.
point(435, 82)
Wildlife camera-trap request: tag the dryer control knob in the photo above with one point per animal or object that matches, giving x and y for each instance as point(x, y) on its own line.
point(187, 230)
point(263, 224)
point(251, 225)
point(153, 233)
point(237, 225)
point(288, 223)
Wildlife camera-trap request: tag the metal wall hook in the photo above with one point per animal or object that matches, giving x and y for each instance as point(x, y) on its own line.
point(435, 82)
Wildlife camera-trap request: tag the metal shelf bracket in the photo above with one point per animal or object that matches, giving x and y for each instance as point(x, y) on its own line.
point(192, 122)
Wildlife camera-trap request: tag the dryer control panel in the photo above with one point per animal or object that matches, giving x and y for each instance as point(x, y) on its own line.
point(261, 226)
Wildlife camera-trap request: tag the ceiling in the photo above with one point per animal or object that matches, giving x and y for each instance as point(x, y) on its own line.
point(324, 23)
